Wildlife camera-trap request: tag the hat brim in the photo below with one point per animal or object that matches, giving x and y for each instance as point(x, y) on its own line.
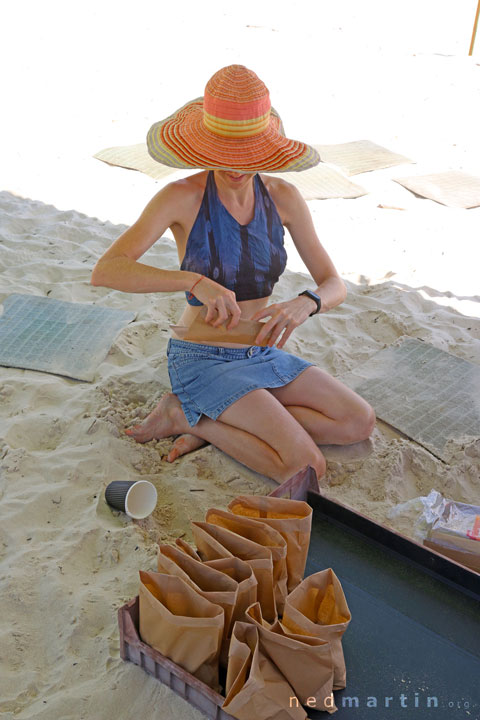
point(183, 141)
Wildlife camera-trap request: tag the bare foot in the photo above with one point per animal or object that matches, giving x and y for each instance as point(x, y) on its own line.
point(183, 445)
point(167, 419)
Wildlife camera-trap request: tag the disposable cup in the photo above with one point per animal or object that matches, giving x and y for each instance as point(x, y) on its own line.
point(135, 498)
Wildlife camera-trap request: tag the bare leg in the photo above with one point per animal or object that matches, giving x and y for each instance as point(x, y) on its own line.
point(327, 409)
point(255, 430)
point(321, 405)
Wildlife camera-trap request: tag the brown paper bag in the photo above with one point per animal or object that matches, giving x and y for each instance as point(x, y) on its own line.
point(214, 542)
point(318, 607)
point(255, 688)
point(291, 518)
point(187, 549)
point(180, 624)
point(304, 661)
point(199, 331)
point(262, 534)
point(208, 582)
point(243, 575)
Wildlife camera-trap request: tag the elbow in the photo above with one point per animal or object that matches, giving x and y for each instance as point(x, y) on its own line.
point(96, 278)
point(338, 291)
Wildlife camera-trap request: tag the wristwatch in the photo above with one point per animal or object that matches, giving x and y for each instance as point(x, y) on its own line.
point(315, 297)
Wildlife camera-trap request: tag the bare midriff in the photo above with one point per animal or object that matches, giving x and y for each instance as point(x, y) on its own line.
point(248, 309)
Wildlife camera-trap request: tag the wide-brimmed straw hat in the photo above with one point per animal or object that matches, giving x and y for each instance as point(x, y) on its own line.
point(232, 127)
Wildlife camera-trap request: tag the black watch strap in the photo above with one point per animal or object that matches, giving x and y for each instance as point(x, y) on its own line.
point(316, 298)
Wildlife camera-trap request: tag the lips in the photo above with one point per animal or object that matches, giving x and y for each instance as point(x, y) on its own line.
point(236, 178)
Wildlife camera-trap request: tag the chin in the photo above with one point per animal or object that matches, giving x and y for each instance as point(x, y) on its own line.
point(235, 178)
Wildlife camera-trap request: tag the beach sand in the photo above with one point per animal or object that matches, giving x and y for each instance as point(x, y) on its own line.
point(67, 562)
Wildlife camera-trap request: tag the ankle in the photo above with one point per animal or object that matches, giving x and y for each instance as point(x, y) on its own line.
point(178, 419)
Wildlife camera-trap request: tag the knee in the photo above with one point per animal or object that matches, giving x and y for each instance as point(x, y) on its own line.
point(319, 464)
point(303, 456)
point(360, 426)
point(369, 421)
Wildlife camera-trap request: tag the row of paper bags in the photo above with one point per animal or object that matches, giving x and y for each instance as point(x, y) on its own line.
point(221, 604)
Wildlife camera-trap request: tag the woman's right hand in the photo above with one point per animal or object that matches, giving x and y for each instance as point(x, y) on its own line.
point(219, 301)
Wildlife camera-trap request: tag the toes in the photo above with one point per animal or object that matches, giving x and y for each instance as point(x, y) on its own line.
point(178, 449)
point(173, 455)
point(185, 444)
point(139, 434)
point(132, 430)
point(181, 444)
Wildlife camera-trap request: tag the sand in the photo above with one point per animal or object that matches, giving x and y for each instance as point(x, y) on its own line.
point(67, 562)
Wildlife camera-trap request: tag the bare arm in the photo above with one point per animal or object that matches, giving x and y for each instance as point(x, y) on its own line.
point(298, 220)
point(286, 316)
point(118, 267)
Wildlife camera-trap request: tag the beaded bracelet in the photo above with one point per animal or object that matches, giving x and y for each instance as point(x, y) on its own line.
point(190, 293)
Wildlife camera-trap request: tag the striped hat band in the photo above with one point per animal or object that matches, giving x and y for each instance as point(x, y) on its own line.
point(224, 114)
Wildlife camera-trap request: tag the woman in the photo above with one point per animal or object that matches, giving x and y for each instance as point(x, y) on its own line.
point(264, 407)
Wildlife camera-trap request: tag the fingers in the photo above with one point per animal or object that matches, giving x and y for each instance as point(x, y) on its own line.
point(236, 313)
point(211, 311)
point(219, 311)
point(270, 310)
point(273, 327)
point(267, 327)
point(265, 333)
point(282, 321)
point(221, 307)
point(222, 314)
point(285, 337)
point(232, 308)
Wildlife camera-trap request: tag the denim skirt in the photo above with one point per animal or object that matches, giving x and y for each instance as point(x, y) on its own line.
point(207, 379)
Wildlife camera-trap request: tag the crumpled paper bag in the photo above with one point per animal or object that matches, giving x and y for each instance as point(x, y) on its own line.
point(318, 607)
point(305, 661)
point(255, 688)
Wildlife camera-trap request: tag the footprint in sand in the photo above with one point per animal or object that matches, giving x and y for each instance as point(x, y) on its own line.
point(38, 431)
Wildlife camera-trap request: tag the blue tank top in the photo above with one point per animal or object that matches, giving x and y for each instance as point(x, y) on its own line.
point(247, 259)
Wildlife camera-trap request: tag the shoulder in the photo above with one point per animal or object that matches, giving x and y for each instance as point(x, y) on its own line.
point(180, 195)
point(286, 196)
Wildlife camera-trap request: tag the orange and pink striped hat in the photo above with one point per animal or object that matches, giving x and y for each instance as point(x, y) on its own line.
point(233, 127)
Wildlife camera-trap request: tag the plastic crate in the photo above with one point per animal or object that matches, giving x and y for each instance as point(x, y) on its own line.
point(154, 663)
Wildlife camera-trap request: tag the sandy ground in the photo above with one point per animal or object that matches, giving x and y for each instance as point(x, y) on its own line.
point(82, 79)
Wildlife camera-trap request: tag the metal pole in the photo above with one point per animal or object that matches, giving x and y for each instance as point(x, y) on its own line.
point(474, 29)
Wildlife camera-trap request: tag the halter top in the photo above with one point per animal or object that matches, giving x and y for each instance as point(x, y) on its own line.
point(247, 259)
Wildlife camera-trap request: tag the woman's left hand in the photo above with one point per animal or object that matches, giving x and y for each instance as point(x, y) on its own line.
point(285, 317)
